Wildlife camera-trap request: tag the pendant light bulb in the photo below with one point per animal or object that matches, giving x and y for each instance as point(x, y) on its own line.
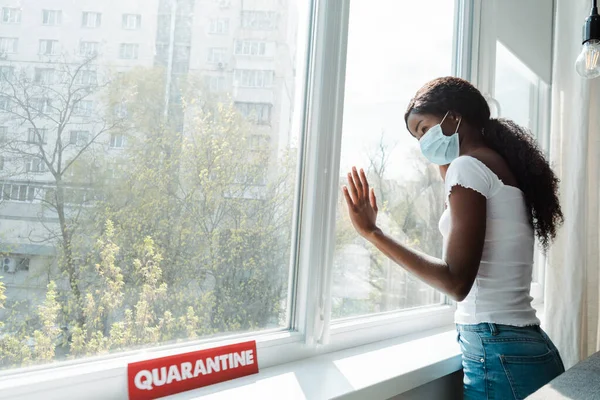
point(588, 62)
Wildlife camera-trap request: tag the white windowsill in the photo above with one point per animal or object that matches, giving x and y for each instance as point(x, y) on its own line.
point(375, 371)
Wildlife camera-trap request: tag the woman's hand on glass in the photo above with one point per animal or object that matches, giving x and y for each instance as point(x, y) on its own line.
point(362, 204)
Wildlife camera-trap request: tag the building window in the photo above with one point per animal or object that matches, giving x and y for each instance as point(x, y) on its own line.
point(11, 15)
point(86, 78)
point(5, 103)
point(88, 49)
point(91, 20)
point(3, 134)
point(129, 51)
point(79, 138)
point(17, 192)
point(250, 48)
point(48, 47)
point(117, 141)
point(132, 21)
point(259, 20)
point(6, 72)
point(9, 45)
point(83, 108)
point(35, 164)
point(219, 26)
point(44, 76)
point(40, 105)
point(216, 84)
point(217, 55)
point(52, 17)
point(254, 78)
point(259, 113)
point(36, 136)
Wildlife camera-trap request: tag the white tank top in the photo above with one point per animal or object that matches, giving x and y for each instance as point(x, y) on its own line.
point(500, 293)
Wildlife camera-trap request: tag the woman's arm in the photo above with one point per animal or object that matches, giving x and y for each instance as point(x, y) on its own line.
point(455, 274)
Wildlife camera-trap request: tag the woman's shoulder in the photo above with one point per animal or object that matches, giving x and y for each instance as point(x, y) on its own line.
point(472, 173)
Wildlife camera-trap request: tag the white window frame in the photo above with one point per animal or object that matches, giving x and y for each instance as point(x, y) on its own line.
point(217, 55)
point(9, 45)
point(48, 47)
point(91, 19)
point(11, 15)
point(218, 26)
point(88, 49)
point(117, 141)
point(129, 51)
point(246, 47)
point(310, 331)
point(132, 22)
point(83, 108)
point(483, 65)
point(51, 17)
point(79, 138)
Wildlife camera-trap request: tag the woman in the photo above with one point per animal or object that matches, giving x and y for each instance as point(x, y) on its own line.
point(500, 193)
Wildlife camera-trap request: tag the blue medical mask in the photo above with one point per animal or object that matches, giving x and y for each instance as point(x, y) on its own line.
point(439, 148)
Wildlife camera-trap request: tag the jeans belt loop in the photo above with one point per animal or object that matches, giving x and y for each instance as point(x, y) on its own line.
point(493, 329)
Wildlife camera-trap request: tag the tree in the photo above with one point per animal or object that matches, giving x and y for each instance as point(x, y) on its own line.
point(58, 128)
point(188, 233)
point(409, 211)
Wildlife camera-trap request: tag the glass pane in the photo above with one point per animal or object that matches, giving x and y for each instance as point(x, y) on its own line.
point(191, 236)
point(516, 88)
point(394, 47)
point(520, 94)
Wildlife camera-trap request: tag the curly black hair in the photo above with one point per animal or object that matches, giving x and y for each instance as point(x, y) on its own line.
point(513, 142)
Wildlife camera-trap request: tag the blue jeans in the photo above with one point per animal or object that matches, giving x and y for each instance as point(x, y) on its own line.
point(503, 362)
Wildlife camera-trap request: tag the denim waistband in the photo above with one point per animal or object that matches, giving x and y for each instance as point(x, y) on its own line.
point(492, 328)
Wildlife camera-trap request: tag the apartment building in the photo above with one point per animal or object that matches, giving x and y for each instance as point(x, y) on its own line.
point(241, 49)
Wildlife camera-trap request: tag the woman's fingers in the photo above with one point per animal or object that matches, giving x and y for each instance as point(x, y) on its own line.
point(373, 200)
point(365, 183)
point(352, 188)
point(357, 182)
point(348, 198)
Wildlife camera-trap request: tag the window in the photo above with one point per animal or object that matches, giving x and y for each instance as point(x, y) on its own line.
point(117, 141)
point(219, 26)
point(40, 105)
point(52, 17)
point(216, 84)
point(86, 78)
point(1, 161)
point(6, 73)
point(91, 20)
point(132, 21)
point(250, 48)
point(36, 136)
point(5, 103)
point(259, 20)
point(521, 95)
point(11, 15)
point(3, 134)
point(79, 138)
point(44, 75)
point(129, 51)
point(17, 192)
point(199, 234)
point(254, 78)
point(259, 113)
point(217, 55)
point(48, 47)
point(88, 49)
point(9, 45)
point(83, 108)
point(379, 85)
point(35, 164)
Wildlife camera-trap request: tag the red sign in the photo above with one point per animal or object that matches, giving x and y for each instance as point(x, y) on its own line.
point(165, 376)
